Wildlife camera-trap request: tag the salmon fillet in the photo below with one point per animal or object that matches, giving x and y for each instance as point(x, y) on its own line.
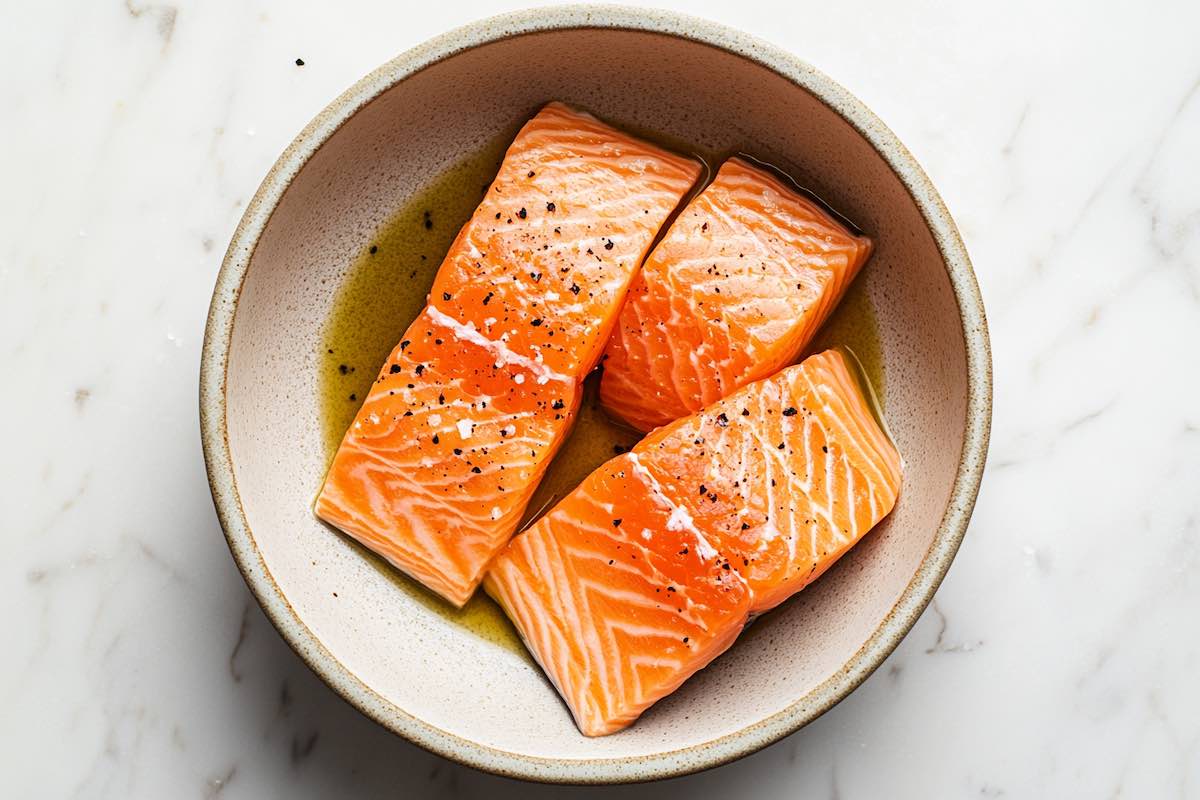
point(618, 596)
point(440, 461)
point(437, 467)
point(735, 290)
point(651, 568)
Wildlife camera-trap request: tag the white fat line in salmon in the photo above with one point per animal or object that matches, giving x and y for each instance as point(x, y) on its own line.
point(503, 355)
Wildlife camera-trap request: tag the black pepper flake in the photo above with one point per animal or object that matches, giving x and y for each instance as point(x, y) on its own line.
point(574, 288)
point(458, 451)
point(487, 298)
point(404, 345)
point(557, 404)
point(536, 322)
point(550, 207)
point(374, 249)
point(342, 368)
point(617, 522)
point(619, 448)
point(436, 440)
point(394, 368)
point(299, 62)
point(536, 276)
point(531, 174)
point(521, 213)
point(704, 227)
point(722, 420)
point(476, 470)
point(406, 414)
point(428, 221)
point(421, 368)
point(745, 412)
point(608, 245)
point(780, 447)
point(824, 449)
point(703, 490)
point(790, 411)
point(685, 640)
point(445, 295)
point(610, 561)
point(745, 526)
point(725, 565)
point(353, 397)
point(441, 399)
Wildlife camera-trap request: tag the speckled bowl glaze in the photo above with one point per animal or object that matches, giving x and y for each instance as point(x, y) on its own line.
point(408, 668)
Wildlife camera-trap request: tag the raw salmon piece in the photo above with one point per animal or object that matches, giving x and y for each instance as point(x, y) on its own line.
point(617, 596)
point(490, 372)
point(783, 476)
point(545, 261)
point(735, 290)
point(436, 469)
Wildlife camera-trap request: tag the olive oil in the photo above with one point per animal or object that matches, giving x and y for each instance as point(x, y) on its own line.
point(384, 289)
point(853, 325)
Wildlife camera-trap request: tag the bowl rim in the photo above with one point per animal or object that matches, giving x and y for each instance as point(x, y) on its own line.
point(893, 627)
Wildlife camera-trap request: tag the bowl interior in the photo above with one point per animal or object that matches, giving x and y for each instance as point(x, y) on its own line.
point(413, 658)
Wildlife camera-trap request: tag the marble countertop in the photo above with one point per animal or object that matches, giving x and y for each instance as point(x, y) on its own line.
point(1061, 655)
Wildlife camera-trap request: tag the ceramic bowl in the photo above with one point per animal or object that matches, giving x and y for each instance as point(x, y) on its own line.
point(386, 652)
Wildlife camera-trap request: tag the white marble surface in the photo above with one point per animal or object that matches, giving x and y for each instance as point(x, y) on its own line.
point(1062, 653)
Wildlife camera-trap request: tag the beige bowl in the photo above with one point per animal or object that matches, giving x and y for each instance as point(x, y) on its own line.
point(384, 651)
